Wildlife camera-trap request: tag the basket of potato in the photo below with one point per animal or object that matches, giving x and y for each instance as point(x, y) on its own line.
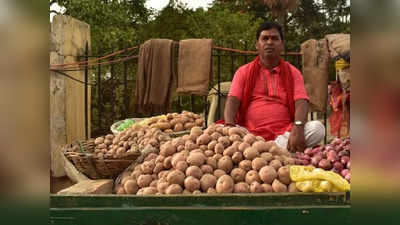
point(107, 156)
point(217, 160)
point(174, 124)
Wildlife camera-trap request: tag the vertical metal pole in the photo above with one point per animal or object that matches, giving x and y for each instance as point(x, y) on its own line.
point(124, 113)
point(112, 92)
point(86, 90)
point(99, 94)
point(245, 56)
point(218, 84)
point(192, 102)
point(206, 111)
point(232, 62)
point(326, 129)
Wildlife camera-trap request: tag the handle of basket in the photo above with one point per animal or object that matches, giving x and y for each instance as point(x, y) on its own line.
point(81, 147)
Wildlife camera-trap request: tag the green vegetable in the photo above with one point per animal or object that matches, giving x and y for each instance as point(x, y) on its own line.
point(125, 125)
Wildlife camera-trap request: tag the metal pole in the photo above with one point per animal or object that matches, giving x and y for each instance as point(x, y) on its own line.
point(99, 94)
point(218, 84)
point(86, 90)
point(124, 114)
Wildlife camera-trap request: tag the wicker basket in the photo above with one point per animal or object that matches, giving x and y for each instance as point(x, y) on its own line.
point(81, 156)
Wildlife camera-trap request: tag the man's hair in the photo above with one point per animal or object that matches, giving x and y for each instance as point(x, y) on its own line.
point(269, 26)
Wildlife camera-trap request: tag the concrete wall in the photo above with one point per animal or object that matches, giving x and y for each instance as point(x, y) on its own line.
point(68, 38)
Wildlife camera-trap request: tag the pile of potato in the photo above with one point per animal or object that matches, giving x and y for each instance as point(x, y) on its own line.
point(217, 160)
point(132, 140)
point(175, 122)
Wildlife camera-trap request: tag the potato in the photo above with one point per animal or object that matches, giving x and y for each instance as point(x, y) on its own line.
point(260, 146)
point(268, 174)
point(276, 164)
point(218, 173)
point(243, 146)
point(225, 130)
point(212, 144)
point(193, 137)
point(275, 150)
point(258, 163)
point(178, 127)
point(292, 187)
point(219, 148)
point(189, 125)
point(250, 153)
point(217, 156)
point(277, 186)
point(225, 164)
point(267, 156)
point(190, 145)
point(194, 171)
point(256, 187)
point(249, 138)
point(211, 191)
point(154, 183)
point(238, 175)
point(175, 121)
point(203, 139)
point(216, 135)
point(144, 180)
point(120, 190)
point(207, 169)
point(259, 138)
point(267, 188)
point(196, 159)
point(109, 136)
point(199, 122)
point(207, 181)
point(158, 168)
point(235, 137)
point(224, 141)
point(99, 140)
point(162, 187)
point(196, 192)
point(284, 175)
point(287, 161)
point(176, 177)
point(173, 189)
point(185, 137)
point(210, 130)
point(241, 187)
point(135, 174)
point(177, 158)
point(163, 174)
point(167, 162)
point(235, 130)
point(186, 192)
point(163, 125)
point(252, 176)
point(182, 166)
point(212, 162)
point(180, 148)
point(191, 183)
point(147, 167)
point(219, 129)
point(246, 165)
point(209, 153)
point(225, 184)
point(229, 151)
point(167, 149)
point(237, 157)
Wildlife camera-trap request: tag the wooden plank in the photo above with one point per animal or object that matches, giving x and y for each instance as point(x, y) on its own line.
point(265, 199)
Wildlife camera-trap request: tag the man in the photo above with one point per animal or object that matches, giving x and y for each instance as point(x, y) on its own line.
point(268, 98)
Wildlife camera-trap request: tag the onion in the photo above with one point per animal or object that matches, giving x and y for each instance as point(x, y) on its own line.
point(336, 171)
point(325, 164)
point(348, 165)
point(305, 162)
point(345, 159)
point(298, 161)
point(329, 147)
point(336, 141)
point(344, 153)
point(315, 160)
point(347, 177)
point(308, 151)
point(338, 166)
point(331, 153)
point(344, 172)
point(305, 157)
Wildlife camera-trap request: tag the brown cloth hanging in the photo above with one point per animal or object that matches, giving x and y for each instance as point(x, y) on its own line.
point(154, 77)
point(194, 66)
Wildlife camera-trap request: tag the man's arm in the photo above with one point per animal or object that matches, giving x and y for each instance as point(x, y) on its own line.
point(297, 140)
point(231, 108)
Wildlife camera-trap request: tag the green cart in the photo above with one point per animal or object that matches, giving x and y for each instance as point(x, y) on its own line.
point(266, 209)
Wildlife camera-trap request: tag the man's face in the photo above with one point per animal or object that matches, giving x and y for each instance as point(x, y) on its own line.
point(269, 44)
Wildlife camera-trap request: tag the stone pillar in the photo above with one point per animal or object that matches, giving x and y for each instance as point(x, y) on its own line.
point(68, 39)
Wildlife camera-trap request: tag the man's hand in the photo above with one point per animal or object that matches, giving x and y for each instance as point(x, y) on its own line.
point(297, 141)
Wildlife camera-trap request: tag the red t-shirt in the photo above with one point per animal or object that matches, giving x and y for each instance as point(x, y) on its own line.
point(268, 109)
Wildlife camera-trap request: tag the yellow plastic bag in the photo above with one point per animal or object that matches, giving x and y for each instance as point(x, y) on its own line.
point(310, 179)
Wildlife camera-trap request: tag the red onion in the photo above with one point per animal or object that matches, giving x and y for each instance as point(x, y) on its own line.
point(329, 147)
point(344, 172)
point(336, 171)
point(338, 166)
point(347, 177)
point(331, 153)
point(305, 162)
point(325, 164)
point(344, 153)
point(336, 141)
point(308, 151)
point(305, 157)
point(344, 159)
point(348, 165)
point(315, 160)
